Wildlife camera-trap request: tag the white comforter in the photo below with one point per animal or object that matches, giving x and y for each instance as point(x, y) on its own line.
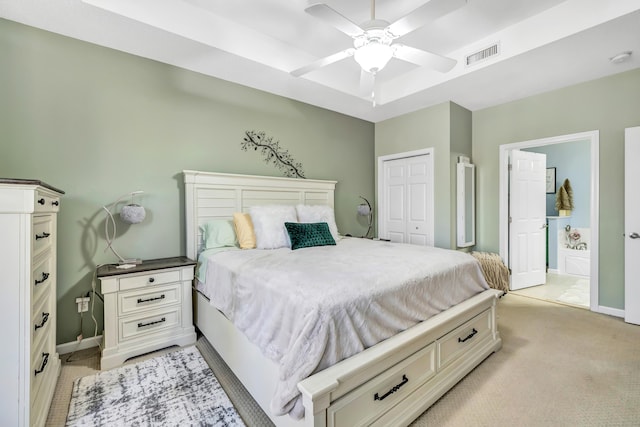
point(310, 308)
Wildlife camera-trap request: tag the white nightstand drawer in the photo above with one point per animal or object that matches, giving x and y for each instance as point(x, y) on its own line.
point(138, 326)
point(43, 233)
point(475, 330)
point(148, 299)
point(157, 278)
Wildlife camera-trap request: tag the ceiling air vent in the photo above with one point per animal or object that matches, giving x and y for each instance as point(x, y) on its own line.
point(483, 54)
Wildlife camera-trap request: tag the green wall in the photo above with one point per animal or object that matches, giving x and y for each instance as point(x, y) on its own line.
point(608, 105)
point(99, 123)
point(447, 129)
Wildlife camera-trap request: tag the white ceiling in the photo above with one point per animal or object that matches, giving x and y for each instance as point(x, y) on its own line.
point(544, 45)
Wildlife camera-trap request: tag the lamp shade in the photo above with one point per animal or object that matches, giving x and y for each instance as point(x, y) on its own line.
point(364, 209)
point(373, 56)
point(132, 213)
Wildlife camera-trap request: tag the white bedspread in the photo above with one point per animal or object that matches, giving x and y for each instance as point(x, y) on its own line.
point(310, 308)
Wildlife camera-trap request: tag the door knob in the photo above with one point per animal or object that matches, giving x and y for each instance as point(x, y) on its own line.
point(634, 235)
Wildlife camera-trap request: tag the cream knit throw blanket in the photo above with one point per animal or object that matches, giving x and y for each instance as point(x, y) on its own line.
point(495, 272)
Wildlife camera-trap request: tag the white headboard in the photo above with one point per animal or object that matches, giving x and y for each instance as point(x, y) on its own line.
point(211, 196)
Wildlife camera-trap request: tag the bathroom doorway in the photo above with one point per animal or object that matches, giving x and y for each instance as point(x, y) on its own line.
point(572, 268)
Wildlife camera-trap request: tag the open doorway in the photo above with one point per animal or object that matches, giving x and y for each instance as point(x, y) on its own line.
point(557, 226)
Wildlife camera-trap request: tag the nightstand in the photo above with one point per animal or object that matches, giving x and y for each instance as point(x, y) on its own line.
point(146, 308)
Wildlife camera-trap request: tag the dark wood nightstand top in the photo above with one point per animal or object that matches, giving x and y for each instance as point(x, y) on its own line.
point(146, 265)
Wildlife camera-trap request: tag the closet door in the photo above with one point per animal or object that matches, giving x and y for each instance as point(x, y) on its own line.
point(407, 200)
point(632, 226)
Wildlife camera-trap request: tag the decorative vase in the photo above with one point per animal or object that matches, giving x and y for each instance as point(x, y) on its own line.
point(564, 212)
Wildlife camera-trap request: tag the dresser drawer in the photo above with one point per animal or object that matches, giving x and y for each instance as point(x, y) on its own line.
point(148, 299)
point(138, 326)
point(42, 276)
point(41, 355)
point(45, 202)
point(372, 399)
point(43, 233)
point(41, 318)
point(157, 278)
point(472, 332)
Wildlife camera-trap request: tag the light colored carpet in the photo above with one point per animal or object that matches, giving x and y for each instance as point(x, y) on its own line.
point(559, 366)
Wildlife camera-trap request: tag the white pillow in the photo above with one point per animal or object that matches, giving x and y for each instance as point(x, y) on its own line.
point(319, 213)
point(268, 224)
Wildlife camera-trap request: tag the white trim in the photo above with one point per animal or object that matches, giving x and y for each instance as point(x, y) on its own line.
point(594, 138)
point(610, 311)
point(380, 190)
point(70, 347)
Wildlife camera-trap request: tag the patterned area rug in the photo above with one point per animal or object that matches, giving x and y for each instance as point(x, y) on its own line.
point(176, 388)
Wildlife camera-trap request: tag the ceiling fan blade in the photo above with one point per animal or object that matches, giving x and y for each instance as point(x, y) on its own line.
point(424, 58)
point(323, 62)
point(329, 15)
point(424, 14)
point(367, 84)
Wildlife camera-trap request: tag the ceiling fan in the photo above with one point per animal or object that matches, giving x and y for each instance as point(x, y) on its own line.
point(373, 41)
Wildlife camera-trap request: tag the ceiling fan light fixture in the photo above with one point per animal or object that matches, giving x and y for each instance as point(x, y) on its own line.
point(373, 56)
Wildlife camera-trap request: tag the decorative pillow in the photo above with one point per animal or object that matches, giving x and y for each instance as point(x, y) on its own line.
point(218, 233)
point(268, 224)
point(319, 213)
point(244, 230)
point(304, 235)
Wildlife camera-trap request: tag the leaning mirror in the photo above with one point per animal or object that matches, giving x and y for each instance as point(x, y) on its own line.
point(466, 224)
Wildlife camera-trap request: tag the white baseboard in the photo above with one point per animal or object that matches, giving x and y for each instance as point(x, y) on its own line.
point(72, 346)
point(610, 311)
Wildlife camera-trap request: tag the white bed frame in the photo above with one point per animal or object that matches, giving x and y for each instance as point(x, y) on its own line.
point(388, 384)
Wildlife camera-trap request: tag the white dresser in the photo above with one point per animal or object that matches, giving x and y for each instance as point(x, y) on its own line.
point(29, 364)
point(146, 308)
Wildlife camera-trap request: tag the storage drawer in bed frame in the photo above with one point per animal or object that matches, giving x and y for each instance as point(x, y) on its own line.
point(411, 379)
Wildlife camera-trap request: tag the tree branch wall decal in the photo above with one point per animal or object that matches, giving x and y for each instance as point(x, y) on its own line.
point(273, 153)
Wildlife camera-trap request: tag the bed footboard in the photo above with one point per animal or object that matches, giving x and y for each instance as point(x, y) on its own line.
point(390, 383)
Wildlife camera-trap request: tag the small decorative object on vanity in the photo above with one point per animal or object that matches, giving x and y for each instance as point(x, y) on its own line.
point(131, 214)
point(146, 307)
point(29, 364)
point(564, 199)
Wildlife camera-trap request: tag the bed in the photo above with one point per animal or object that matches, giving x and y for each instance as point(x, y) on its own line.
point(389, 383)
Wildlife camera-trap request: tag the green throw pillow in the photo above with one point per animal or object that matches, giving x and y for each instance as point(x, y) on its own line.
point(306, 234)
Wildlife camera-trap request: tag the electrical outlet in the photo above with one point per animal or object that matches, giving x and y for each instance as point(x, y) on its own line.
point(83, 304)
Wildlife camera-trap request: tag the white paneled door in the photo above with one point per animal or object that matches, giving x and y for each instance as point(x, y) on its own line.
point(527, 219)
point(407, 205)
point(632, 225)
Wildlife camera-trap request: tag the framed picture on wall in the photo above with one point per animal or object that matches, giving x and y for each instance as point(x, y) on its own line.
point(551, 180)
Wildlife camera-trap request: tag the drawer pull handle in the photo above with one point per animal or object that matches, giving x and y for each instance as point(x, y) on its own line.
point(393, 389)
point(42, 236)
point(55, 203)
point(45, 276)
point(142, 325)
point(45, 360)
point(140, 300)
point(45, 317)
point(41, 201)
point(151, 280)
point(473, 332)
